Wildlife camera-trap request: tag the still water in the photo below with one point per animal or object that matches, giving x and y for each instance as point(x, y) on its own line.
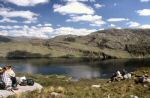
point(76, 68)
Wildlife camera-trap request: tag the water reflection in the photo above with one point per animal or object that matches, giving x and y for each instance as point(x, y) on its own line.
point(75, 68)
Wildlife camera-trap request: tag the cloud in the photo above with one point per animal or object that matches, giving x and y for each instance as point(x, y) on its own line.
point(4, 33)
point(95, 20)
point(133, 24)
point(73, 8)
point(112, 25)
point(27, 2)
point(117, 19)
point(73, 31)
point(79, 0)
point(47, 24)
point(7, 20)
point(145, 0)
point(144, 12)
point(98, 5)
point(42, 31)
point(6, 27)
point(9, 13)
point(146, 26)
point(28, 31)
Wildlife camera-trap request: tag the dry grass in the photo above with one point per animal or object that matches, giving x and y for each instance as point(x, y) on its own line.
point(82, 89)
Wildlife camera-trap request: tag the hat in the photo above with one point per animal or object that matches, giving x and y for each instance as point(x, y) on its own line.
point(1, 69)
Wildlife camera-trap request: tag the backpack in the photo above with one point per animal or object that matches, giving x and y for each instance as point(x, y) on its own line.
point(30, 82)
point(23, 83)
point(2, 85)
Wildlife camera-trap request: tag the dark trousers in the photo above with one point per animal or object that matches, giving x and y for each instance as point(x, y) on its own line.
point(14, 81)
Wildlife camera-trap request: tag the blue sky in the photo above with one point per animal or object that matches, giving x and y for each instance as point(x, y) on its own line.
point(50, 18)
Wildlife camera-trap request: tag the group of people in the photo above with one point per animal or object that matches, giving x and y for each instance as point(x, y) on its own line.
point(8, 76)
point(117, 76)
point(143, 79)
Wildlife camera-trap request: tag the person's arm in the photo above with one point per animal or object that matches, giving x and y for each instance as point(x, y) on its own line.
point(5, 79)
point(12, 73)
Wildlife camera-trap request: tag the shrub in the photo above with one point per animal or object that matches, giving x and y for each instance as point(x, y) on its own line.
point(70, 39)
point(23, 54)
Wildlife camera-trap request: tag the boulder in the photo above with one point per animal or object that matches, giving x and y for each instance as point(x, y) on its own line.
point(21, 89)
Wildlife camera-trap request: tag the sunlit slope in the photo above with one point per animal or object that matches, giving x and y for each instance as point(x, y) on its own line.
point(111, 43)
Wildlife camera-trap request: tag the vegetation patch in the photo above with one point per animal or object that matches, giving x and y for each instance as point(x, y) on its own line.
point(66, 87)
point(24, 54)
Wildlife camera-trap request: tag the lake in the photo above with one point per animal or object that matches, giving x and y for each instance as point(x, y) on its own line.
point(75, 68)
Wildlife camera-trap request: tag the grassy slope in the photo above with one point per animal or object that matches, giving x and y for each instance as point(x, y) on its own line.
point(12, 46)
point(59, 49)
point(111, 42)
point(55, 51)
point(83, 89)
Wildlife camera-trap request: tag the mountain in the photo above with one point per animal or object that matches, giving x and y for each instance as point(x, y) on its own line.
point(110, 43)
point(4, 39)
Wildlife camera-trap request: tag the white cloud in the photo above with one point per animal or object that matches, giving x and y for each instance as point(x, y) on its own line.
point(42, 31)
point(95, 20)
point(118, 27)
point(112, 25)
point(146, 26)
point(5, 27)
point(145, 0)
point(27, 2)
point(73, 8)
point(3, 33)
point(117, 19)
point(133, 24)
point(39, 25)
point(79, 0)
point(17, 26)
point(9, 13)
point(73, 31)
point(47, 24)
point(98, 5)
point(8, 20)
point(144, 12)
point(28, 31)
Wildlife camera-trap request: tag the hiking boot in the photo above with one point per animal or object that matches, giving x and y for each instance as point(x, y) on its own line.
point(15, 88)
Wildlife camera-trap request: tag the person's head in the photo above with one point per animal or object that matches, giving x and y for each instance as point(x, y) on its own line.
point(8, 67)
point(5, 68)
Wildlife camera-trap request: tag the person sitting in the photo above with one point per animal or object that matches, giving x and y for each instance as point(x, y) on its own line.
point(119, 75)
point(6, 79)
point(113, 77)
point(144, 79)
point(124, 72)
point(12, 76)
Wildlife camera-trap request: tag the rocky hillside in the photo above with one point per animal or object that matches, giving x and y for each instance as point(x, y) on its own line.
point(111, 43)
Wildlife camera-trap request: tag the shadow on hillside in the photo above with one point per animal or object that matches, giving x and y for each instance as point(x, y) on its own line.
point(24, 54)
point(4, 39)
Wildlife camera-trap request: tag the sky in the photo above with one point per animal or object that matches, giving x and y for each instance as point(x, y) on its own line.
point(50, 18)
